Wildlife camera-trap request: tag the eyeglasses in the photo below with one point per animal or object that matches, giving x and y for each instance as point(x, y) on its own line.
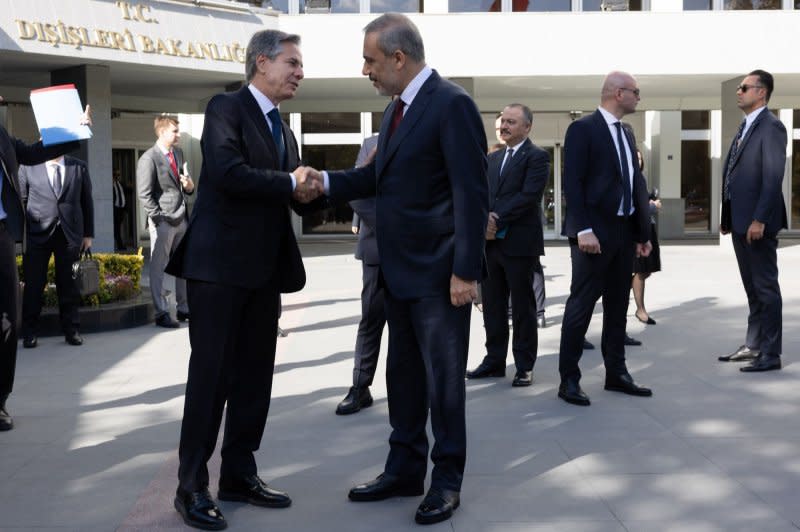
point(744, 88)
point(634, 91)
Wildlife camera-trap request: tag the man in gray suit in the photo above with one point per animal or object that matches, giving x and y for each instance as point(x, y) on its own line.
point(163, 190)
point(753, 210)
point(373, 314)
point(58, 204)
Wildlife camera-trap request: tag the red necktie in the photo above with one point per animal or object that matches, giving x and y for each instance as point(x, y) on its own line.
point(397, 116)
point(173, 165)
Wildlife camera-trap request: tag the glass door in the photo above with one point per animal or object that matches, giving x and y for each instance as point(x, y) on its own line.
point(553, 202)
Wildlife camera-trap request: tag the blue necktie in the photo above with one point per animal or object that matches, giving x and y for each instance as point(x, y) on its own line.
point(626, 173)
point(277, 135)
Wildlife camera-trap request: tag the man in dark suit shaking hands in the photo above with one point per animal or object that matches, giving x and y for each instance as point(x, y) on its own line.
point(753, 210)
point(238, 255)
point(430, 188)
point(514, 242)
point(607, 222)
point(58, 202)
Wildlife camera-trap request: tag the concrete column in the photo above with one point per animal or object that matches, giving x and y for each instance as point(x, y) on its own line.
point(94, 87)
point(663, 136)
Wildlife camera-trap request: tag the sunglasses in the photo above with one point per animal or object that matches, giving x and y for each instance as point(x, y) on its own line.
point(634, 91)
point(744, 88)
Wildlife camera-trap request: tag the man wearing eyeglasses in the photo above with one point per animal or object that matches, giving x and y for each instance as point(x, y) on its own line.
point(607, 222)
point(753, 211)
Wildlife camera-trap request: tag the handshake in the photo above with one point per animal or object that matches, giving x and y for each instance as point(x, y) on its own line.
point(309, 184)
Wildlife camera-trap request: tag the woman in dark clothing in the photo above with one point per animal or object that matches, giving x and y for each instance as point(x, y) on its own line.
point(644, 266)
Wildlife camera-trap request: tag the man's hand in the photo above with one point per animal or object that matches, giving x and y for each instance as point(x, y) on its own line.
point(755, 231)
point(462, 292)
point(187, 184)
point(86, 243)
point(86, 119)
point(588, 243)
point(643, 250)
point(491, 227)
point(308, 184)
point(354, 229)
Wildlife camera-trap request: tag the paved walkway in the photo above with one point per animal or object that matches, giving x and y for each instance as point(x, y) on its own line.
point(94, 448)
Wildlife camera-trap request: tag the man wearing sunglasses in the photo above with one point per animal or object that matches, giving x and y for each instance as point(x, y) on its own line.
point(753, 211)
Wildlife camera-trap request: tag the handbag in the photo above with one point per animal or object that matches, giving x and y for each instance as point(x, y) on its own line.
point(86, 274)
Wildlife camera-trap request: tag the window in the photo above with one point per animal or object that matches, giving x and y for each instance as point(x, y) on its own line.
point(542, 5)
point(612, 5)
point(277, 5)
point(329, 6)
point(696, 185)
point(466, 6)
point(752, 4)
point(337, 218)
point(396, 6)
point(695, 120)
point(331, 122)
point(697, 5)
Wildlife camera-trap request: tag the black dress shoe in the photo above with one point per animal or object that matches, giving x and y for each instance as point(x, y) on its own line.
point(384, 487)
point(522, 378)
point(541, 323)
point(252, 490)
point(763, 362)
point(631, 341)
point(624, 383)
point(199, 510)
point(356, 399)
point(73, 338)
point(6, 423)
point(486, 369)
point(587, 345)
point(167, 322)
point(437, 506)
point(571, 392)
point(182, 316)
point(29, 342)
point(743, 354)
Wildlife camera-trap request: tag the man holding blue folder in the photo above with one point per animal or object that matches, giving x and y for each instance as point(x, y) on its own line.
point(14, 152)
point(514, 242)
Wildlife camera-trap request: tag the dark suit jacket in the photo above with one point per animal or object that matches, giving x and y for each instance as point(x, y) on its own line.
point(430, 187)
point(240, 231)
point(162, 197)
point(14, 152)
point(593, 181)
point(516, 197)
point(367, 247)
point(756, 174)
point(73, 209)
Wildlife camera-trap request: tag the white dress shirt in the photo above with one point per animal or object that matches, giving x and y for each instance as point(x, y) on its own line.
point(266, 105)
point(749, 119)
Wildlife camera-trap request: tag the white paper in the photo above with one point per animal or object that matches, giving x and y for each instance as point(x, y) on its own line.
point(58, 113)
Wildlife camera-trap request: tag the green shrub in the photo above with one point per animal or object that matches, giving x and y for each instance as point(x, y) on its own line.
point(119, 279)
